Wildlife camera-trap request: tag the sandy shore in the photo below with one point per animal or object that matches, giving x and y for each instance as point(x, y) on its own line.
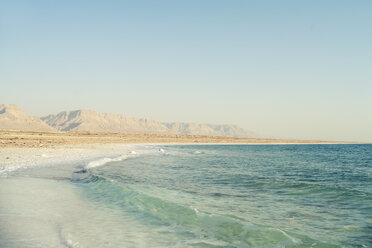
point(12, 158)
point(17, 138)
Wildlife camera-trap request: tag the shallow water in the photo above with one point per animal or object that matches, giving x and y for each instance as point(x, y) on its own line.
point(195, 196)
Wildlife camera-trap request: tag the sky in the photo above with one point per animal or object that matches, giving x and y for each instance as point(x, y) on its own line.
point(282, 69)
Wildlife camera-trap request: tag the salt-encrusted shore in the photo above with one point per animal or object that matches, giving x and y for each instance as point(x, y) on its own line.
point(12, 158)
point(29, 148)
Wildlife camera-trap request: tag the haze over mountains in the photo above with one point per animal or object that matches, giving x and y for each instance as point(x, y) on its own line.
point(12, 117)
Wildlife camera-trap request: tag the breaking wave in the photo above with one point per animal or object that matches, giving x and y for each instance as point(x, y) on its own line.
point(103, 161)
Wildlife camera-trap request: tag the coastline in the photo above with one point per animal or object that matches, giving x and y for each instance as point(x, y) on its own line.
point(22, 148)
point(42, 197)
point(13, 158)
point(22, 138)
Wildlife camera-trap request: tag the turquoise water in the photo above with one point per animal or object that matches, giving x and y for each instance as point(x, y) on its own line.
point(213, 196)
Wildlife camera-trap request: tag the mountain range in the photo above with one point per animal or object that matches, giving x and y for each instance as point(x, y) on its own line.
point(13, 117)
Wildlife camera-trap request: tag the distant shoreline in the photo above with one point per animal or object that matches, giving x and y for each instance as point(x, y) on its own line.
point(24, 138)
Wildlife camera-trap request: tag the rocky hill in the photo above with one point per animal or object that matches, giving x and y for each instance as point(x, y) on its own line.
point(13, 117)
point(87, 120)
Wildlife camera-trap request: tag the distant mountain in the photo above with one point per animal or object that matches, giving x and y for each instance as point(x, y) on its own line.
point(205, 129)
point(87, 120)
point(12, 117)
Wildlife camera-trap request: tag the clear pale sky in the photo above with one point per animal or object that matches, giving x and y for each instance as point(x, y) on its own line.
point(286, 69)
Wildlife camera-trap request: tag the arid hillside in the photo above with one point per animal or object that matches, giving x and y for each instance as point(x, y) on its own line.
point(13, 117)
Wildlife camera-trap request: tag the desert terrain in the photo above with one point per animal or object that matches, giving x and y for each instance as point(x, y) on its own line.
point(23, 138)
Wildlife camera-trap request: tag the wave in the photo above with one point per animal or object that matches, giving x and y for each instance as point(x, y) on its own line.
point(205, 227)
point(4, 171)
point(103, 161)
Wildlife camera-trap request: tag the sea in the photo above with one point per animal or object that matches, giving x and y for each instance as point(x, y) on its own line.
point(313, 195)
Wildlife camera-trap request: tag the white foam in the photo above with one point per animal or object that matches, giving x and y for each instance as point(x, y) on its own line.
point(13, 159)
point(103, 161)
point(195, 210)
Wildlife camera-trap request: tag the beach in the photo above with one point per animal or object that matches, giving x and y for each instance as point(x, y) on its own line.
point(12, 158)
point(22, 138)
point(21, 148)
point(70, 189)
point(185, 195)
